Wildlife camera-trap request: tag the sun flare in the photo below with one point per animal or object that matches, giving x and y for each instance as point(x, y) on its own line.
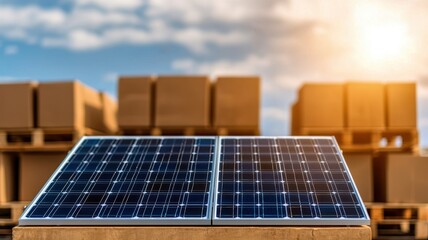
point(382, 39)
point(386, 42)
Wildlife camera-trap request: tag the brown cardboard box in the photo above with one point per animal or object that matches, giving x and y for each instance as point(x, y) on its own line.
point(401, 105)
point(60, 105)
point(361, 167)
point(135, 101)
point(182, 101)
point(406, 178)
point(8, 177)
point(17, 105)
point(365, 105)
point(92, 108)
point(34, 170)
point(69, 104)
point(237, 102)
point(322, 106)
point(109, 113)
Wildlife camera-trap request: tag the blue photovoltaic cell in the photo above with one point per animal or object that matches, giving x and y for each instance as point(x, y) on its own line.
point(285, 180)
point(200, 181)
point(129, 180)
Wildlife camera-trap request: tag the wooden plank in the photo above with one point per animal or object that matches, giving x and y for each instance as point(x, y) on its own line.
point(189, 233)
point(410, 219)
point(41, 137)
point(10, 212)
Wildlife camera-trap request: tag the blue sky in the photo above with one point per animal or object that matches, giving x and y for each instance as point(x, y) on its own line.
point(286, 42)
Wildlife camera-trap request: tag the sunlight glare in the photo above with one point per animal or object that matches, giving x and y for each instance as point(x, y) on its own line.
point(384, 42)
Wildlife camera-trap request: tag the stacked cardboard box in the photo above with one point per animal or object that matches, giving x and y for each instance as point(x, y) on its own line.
point(235, 107)
point(35, 168)
point(369, 115)
point(361, 167)
point(183, 102)
point(8, 177)
point(47, 108)
point(320, 107)
point(72, 105)
point(17, 101)
point(109, 114)
point(365, 105)
point(135, 102)
point(401, 108)
point(401, 178)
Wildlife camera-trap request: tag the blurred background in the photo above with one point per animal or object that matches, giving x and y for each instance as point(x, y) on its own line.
point(356, 69)
point(285, 42)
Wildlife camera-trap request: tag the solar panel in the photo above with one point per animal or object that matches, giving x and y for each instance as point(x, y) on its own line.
point(284, 181)
point(129, 181)
point(200, 181)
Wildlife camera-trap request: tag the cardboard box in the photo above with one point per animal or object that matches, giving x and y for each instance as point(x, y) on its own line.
point(8, 177)
point(237, 102)
point(322, 106)
point(34, 170)
point(17, 102)
point(109, 113)
point(361, 167)
point(92, 108)
point(69, 104)
point(135, 101)
point(182, 101)
point(406, 178)
point(401, 105)
point(365, 105)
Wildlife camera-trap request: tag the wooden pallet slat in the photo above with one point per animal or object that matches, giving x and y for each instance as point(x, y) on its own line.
point(39, 137)
point(398, 220)
point(370, 140)
point(10, 212)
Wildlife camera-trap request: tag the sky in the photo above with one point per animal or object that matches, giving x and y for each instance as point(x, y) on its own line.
point(286, 42)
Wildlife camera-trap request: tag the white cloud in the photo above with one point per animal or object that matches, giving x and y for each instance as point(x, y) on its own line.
point(11, 50)
point(30, 16)
point(111, 4)
point(76, 40)
point(250, 65)
point(90, 18)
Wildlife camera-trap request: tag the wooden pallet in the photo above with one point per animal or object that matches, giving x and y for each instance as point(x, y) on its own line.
point(41, 137)
point(404, 139)
point(338, 133)
point(370, 140)
point(398, 221)
point(192, 131)
point(191, 232)
point(10, 213)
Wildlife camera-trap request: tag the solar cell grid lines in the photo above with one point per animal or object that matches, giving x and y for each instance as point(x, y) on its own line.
point(290, 181)
point(126, 180)
point(200, 181)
